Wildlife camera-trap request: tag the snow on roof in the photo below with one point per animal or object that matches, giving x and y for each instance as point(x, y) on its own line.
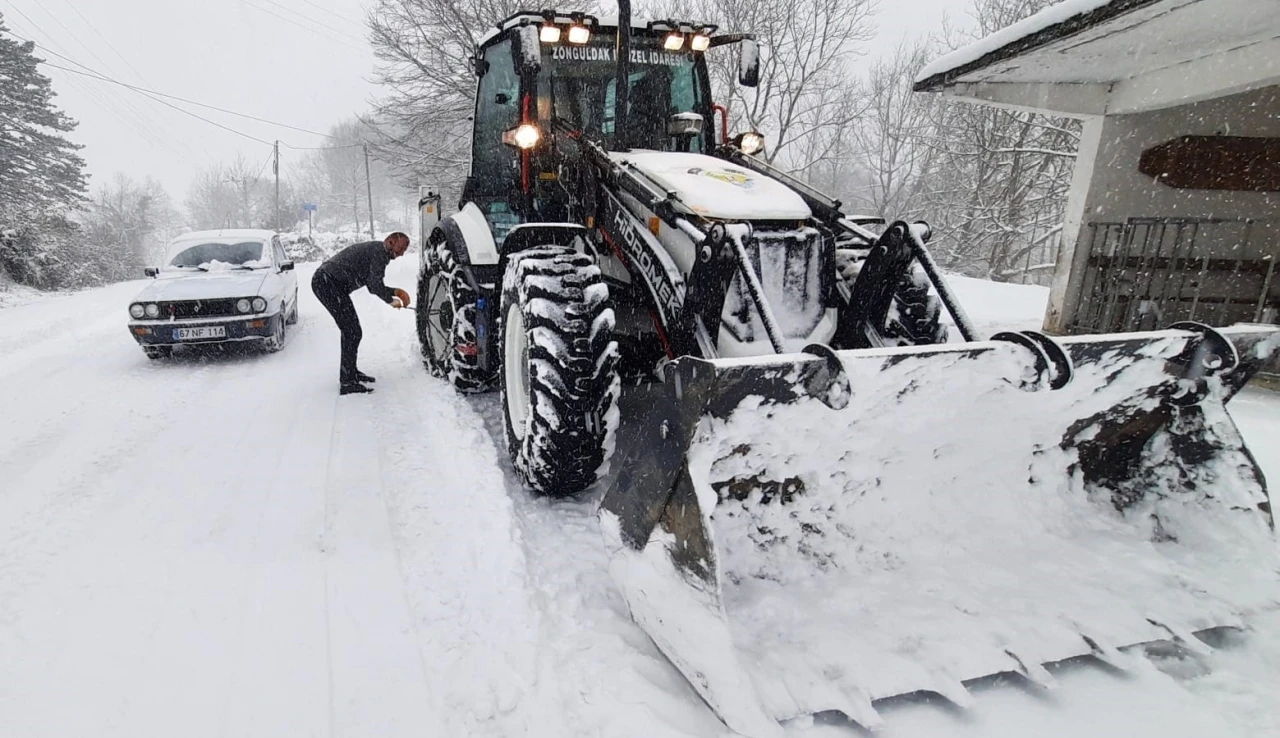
point(1050, 24)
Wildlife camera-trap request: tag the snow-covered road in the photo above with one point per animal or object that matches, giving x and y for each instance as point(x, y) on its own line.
point(221, 546)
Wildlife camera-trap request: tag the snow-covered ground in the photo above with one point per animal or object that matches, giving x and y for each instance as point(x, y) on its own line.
point(220, 545)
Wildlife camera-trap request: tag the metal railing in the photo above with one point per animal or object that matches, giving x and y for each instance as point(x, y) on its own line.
point(1145, 273)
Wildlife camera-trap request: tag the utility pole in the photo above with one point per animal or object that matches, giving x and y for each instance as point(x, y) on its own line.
point(276, 167)
point(368, 184)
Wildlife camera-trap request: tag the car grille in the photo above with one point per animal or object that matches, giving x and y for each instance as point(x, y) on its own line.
point(198, 309)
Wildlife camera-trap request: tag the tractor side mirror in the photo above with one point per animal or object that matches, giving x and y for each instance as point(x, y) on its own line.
point(749, 63)
point(526, 51)
point(150, 271)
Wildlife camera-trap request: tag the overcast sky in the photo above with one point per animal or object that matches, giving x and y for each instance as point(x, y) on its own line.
point(301, 62)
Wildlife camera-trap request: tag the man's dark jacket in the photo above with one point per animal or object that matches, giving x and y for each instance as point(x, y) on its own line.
point(360, 265)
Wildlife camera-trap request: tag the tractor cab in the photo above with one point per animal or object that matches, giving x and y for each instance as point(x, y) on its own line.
point(549, 78)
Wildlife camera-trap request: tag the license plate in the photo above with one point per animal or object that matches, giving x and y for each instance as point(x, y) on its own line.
point(187, 334)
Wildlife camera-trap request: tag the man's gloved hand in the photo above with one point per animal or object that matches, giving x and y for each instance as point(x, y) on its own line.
point(401, 299)
point(396, 303)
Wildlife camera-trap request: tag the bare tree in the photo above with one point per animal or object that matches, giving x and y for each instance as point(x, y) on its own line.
point(889, 158)
point(240, 194)
point(424, 50)
point(125, 227)
point(999, 181)
point(806, 97)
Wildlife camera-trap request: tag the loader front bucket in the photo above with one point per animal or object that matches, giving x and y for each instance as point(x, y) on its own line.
point(815, 532)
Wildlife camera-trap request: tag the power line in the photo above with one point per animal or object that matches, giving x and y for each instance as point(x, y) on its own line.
point(308, 29)
point(104, 78)
point(121, 109)
point(309, 19)
point(339, 16)
point(162, 102)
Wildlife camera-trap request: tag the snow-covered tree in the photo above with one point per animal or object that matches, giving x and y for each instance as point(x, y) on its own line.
point(41, 176)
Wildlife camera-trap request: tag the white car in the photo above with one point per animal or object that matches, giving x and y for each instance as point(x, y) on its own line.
point(217, 287)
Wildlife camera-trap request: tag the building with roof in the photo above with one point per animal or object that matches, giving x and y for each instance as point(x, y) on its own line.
point(1174, 207)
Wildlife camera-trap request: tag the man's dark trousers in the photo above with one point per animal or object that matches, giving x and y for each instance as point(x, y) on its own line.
point(338, 302)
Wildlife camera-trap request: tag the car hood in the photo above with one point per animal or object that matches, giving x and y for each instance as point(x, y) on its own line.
point(715, 188)
point(170, 286)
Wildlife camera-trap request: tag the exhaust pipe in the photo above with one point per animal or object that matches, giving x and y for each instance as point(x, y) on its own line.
point(622, 87)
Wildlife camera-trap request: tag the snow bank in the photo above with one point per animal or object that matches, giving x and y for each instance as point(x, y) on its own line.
point(12, 295)
point(997, 306)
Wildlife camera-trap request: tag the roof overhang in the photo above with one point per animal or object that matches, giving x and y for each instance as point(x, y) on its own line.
point(1098, 57)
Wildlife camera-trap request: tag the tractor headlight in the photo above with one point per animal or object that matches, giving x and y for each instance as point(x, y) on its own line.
point(525, 136)
point(750, 142)
point(673, 42)
point(578, 34)
point(550, 34)
point(700, 42)
point(152, 310)
point(137, 310)
point(242, 305)
point(259, 305)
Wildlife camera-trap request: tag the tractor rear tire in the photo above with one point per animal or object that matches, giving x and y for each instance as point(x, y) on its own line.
point(446, 323)
point(559, 377)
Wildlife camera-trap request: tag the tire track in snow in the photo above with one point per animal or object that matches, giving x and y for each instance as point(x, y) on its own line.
point(607, 678)
point(456, 542)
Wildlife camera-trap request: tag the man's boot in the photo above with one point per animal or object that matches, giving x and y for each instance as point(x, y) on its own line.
point(347, 388)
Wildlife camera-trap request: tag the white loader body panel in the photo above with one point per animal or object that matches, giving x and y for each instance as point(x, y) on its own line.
point(798, 330)
point(715, 188)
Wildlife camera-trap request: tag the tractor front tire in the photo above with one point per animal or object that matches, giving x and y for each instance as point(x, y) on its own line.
point(446, 323)
point(559, 376)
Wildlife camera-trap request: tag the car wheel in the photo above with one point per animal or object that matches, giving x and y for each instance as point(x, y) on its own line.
point(276, 341)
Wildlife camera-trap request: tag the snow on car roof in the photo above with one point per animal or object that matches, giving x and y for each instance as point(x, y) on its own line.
point(249, 233)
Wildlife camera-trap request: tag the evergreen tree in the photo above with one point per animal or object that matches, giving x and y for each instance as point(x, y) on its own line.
point(39, 169)
point(41, 176)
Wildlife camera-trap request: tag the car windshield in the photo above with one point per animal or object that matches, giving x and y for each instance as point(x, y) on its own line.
point(220, 254)
point(583, 86)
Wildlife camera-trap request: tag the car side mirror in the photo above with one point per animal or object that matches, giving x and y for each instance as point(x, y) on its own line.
point(286, 266)
point(749, 63)
point(151, 271)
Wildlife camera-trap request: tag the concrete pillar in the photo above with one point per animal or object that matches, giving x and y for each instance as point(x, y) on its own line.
point(1074, 256)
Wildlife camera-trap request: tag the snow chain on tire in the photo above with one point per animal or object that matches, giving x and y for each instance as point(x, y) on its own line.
point(461, 367)
point(571, 364)
point(915, 317)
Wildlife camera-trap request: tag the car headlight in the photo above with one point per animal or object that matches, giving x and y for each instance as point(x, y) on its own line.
point(152, 310)
point(137, 310)
point(259, 305)
point(242, 305)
